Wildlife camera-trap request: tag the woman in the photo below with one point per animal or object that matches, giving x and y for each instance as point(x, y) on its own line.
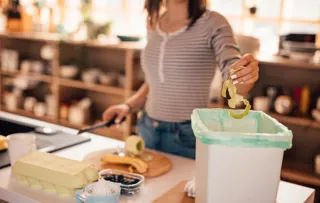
point(185, 45)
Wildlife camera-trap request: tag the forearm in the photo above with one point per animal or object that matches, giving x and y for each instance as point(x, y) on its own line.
point(137, 100)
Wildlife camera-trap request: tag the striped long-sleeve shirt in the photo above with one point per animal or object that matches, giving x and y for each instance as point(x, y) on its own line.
point(179, 66)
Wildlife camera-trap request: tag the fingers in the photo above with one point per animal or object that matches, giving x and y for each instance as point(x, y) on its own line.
point(248, 78)
point(244, 61)
point(246, 74)
point(120, 116)
point(108, 114)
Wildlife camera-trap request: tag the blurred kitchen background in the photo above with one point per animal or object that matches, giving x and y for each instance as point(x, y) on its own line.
point(65, 61)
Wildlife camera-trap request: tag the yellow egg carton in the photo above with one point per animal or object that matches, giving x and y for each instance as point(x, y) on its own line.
point(53, 174)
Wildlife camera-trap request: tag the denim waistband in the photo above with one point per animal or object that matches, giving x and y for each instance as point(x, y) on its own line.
point(166, 122)
point(171, 127)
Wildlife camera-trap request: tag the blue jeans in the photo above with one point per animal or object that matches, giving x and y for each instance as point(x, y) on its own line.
point(173, 138)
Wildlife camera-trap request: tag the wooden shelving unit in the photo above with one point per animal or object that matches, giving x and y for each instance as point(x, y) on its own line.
point(92, 87)
point(306, 122)
point(30, 115)
point(300, 173)
point(129, 52)
point(36, 76)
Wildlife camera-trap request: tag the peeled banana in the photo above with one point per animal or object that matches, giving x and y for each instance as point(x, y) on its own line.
point(134, 145)
point(138, 164)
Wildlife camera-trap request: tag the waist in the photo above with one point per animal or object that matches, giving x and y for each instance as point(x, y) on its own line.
point(164, 121)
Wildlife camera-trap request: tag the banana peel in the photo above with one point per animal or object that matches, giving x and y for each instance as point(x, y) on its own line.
point(139, 165)
point(234, 99)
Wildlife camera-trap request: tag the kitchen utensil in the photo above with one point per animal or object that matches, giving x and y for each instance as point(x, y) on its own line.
point(272, 92)
point(64, 111)
point(78, 115)
point(37, 67)
point(130, 183)
point(283, 105)
point(108, 78)
point(51, 103)
point(29, 103)
point(159, 165)
point(20, 144)
point(40, 109)
point(261, 104)
point(121, 80)
point(13, 61)
point(125, 38)
point(23, 82)
point(100, 125)
point(91, 76)
point(13, 101)
point(69, 71)
point(47, 52)
point(25, 66)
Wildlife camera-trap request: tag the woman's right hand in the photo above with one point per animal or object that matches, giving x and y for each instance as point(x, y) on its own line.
point(118, 111)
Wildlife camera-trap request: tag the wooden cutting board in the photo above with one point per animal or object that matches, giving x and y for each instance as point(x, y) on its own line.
point(159, 165)
point(175, 195)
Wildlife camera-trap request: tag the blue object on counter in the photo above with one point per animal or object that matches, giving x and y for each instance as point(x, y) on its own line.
point(124, 38)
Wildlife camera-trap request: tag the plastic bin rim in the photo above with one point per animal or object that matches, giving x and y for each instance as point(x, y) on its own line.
point(281, 139)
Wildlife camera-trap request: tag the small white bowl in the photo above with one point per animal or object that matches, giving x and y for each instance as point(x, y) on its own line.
point(69, 71)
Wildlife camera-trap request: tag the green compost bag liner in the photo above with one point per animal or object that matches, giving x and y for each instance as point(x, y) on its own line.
point(257, 129)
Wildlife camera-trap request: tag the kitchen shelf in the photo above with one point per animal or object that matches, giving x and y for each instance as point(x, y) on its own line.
point(286, 62)
point(92, 87)
point(22, 112)
point(37, 76)
point(56, 38)
point(300, 173)
point(307, 122)
point(301, 121)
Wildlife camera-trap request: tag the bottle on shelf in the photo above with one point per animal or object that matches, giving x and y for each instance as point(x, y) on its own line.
point(305, 100)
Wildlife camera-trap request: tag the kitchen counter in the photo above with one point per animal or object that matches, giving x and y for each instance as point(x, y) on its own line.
point(182, 169)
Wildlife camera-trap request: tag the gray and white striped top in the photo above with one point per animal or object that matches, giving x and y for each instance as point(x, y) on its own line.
point(179, 66)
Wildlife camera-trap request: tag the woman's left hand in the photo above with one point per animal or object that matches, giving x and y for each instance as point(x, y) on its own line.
point(246, 70)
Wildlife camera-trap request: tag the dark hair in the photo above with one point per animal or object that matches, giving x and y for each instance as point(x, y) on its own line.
point(195, 9)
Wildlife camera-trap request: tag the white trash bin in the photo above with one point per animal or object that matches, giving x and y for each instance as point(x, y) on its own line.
point(238, 160)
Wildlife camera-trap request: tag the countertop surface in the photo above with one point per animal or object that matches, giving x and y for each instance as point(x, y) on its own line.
point(182, 169)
